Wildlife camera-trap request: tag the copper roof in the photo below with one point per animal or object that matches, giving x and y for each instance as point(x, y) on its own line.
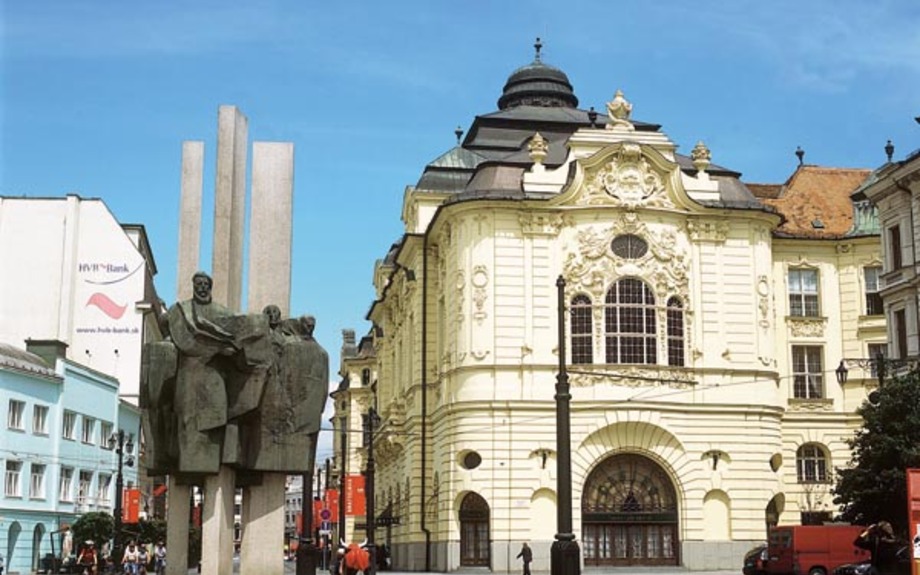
point(815, 201)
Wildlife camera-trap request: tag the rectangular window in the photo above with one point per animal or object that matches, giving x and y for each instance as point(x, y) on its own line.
point(900, 333)
point(89, 428)
point(37, 485)
point(873, 297)
point(40, 420)
point(894, 243)
point(65, 488)
point(69, 430)
point(102, 489)
point(14, 418)
point(803, 293)
point(105, 432)
point(83, 489)
point(807, 372)
point(11, 483)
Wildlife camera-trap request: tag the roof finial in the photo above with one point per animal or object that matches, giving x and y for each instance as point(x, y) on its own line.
point(538, 45)
point(889, 150)
point(800, 154)
point(459, 133)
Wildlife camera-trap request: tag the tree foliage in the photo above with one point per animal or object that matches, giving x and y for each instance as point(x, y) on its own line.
point(873, 486)
point(96, 526)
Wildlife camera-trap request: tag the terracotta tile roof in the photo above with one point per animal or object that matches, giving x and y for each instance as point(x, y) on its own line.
point(814, 196)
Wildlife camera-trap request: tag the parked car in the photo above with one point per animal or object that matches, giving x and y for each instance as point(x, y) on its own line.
point(901, 566)
point(755, 561)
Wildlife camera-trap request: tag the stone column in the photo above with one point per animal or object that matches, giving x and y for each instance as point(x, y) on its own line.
point(189, 217)
point(217, 523)
point(177, 520)
point(270, 226)
point(263, 527)
point(229, 207)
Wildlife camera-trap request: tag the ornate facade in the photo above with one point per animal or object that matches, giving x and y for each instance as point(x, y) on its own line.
point(703, 320)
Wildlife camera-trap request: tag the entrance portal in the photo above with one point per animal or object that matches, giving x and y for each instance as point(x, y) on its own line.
point(474, 531)
point(629, 514)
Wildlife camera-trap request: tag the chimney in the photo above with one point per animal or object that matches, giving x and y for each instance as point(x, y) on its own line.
point(50, 350)
point(349, 349)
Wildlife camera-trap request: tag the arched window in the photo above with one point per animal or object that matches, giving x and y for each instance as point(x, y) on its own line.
point(811, 464)
point(629, 323)
point(675, 332)
point(582, 347)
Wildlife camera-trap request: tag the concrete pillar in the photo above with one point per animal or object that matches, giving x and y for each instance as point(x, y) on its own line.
point(229, 207)
point(217, 523)
point(262, 548)
point(189, 217)
point(177, 520)
point(270, 235)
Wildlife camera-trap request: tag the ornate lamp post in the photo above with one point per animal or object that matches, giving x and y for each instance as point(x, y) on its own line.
point(565, 556)
point(370, 423)
point(123, 445)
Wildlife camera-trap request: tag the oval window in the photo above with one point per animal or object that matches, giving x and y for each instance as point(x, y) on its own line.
point(629, 246)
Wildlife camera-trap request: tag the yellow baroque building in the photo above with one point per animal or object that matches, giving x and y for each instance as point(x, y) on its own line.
point(704, 319)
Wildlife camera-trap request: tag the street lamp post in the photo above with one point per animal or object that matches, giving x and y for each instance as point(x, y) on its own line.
point(124, 447)
point(564, 553)
point(343, 469)
point(370, 423)
point(306, 551)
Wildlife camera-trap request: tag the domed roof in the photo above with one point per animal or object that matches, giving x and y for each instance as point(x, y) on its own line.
point(538, 84)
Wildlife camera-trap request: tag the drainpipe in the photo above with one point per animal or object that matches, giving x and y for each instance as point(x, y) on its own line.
point(424, 434)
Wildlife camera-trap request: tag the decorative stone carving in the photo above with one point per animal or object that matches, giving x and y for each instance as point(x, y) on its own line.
point(480, 355)
point(594, 266)
point(618, 111)
point(797, 404)
point(701, 156)
point(763, 300)
point(627, 180)
point(459, 286)
point(703, 230)
point(547, 224)
point(806, 326)
point(480, 280)
point(631, 376)
point(538, 148)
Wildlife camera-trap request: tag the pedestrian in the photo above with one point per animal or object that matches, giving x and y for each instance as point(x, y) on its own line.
point(526, 555)
point(88, 558)
point(143, 557)
point(880, 541)
point(129, 560)
point(159, 558)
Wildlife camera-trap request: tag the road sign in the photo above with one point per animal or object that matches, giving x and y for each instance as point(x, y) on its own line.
point(325, 526)
point(325, 515)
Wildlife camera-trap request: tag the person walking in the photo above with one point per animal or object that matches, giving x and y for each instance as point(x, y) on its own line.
point(159, 558)
point(526, 555)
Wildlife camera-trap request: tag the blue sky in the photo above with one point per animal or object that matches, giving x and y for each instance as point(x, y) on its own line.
point(97, 96)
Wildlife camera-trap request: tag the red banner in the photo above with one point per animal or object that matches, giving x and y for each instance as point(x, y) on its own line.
point(913, 516)
point(317, 508)
point(332, 504)
point(355, 504)
point(130, 505)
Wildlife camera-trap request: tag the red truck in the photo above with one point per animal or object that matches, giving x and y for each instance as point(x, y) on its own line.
point(812, 549)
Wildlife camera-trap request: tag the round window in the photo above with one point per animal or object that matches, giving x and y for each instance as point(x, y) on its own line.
point(470, 460)
point(629, 246)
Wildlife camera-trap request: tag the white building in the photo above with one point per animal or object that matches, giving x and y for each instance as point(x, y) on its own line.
point(703, 321)
point(76, 275)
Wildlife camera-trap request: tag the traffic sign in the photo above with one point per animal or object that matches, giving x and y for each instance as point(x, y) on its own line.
point(325, 515)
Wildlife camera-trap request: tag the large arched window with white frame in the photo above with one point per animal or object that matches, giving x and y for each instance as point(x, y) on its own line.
point(675, 315)
point(629, 323)
point(582, 324)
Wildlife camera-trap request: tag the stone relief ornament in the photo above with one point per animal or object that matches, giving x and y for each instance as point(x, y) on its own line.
point(618, 111)
point(702, 230)
point(806, 326)
point(459, 285)
point(628, 180)
point(540, 224)
point(796, 404)
point(763, 300)
point(480, 279)
point(631, 376)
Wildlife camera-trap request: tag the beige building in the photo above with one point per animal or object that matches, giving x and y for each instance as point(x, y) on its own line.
point(703, 322)
point(895, 188)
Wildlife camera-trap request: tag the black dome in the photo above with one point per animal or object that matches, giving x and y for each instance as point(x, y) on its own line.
point(538, 84)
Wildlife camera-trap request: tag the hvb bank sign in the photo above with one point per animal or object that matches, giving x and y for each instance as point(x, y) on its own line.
point(104, 293)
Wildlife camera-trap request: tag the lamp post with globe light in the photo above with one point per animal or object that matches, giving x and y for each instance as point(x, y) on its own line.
point(123, 445)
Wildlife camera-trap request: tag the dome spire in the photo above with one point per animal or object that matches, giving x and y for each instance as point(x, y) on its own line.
point(538, 45)
point(538, 84)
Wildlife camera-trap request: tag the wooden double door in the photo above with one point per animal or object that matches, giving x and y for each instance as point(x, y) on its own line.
point(475, 545)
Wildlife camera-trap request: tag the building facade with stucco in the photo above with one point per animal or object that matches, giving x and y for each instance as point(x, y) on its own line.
point(703, 320)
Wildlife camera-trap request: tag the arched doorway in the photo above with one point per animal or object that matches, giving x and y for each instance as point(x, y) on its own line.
point(37, 534)
point(12, 538)
point(474, 531)
point(629, 514)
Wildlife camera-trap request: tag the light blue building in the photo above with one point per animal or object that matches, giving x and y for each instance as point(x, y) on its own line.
point(54, 448)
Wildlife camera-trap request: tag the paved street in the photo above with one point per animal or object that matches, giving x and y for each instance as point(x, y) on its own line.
point(290, 568)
